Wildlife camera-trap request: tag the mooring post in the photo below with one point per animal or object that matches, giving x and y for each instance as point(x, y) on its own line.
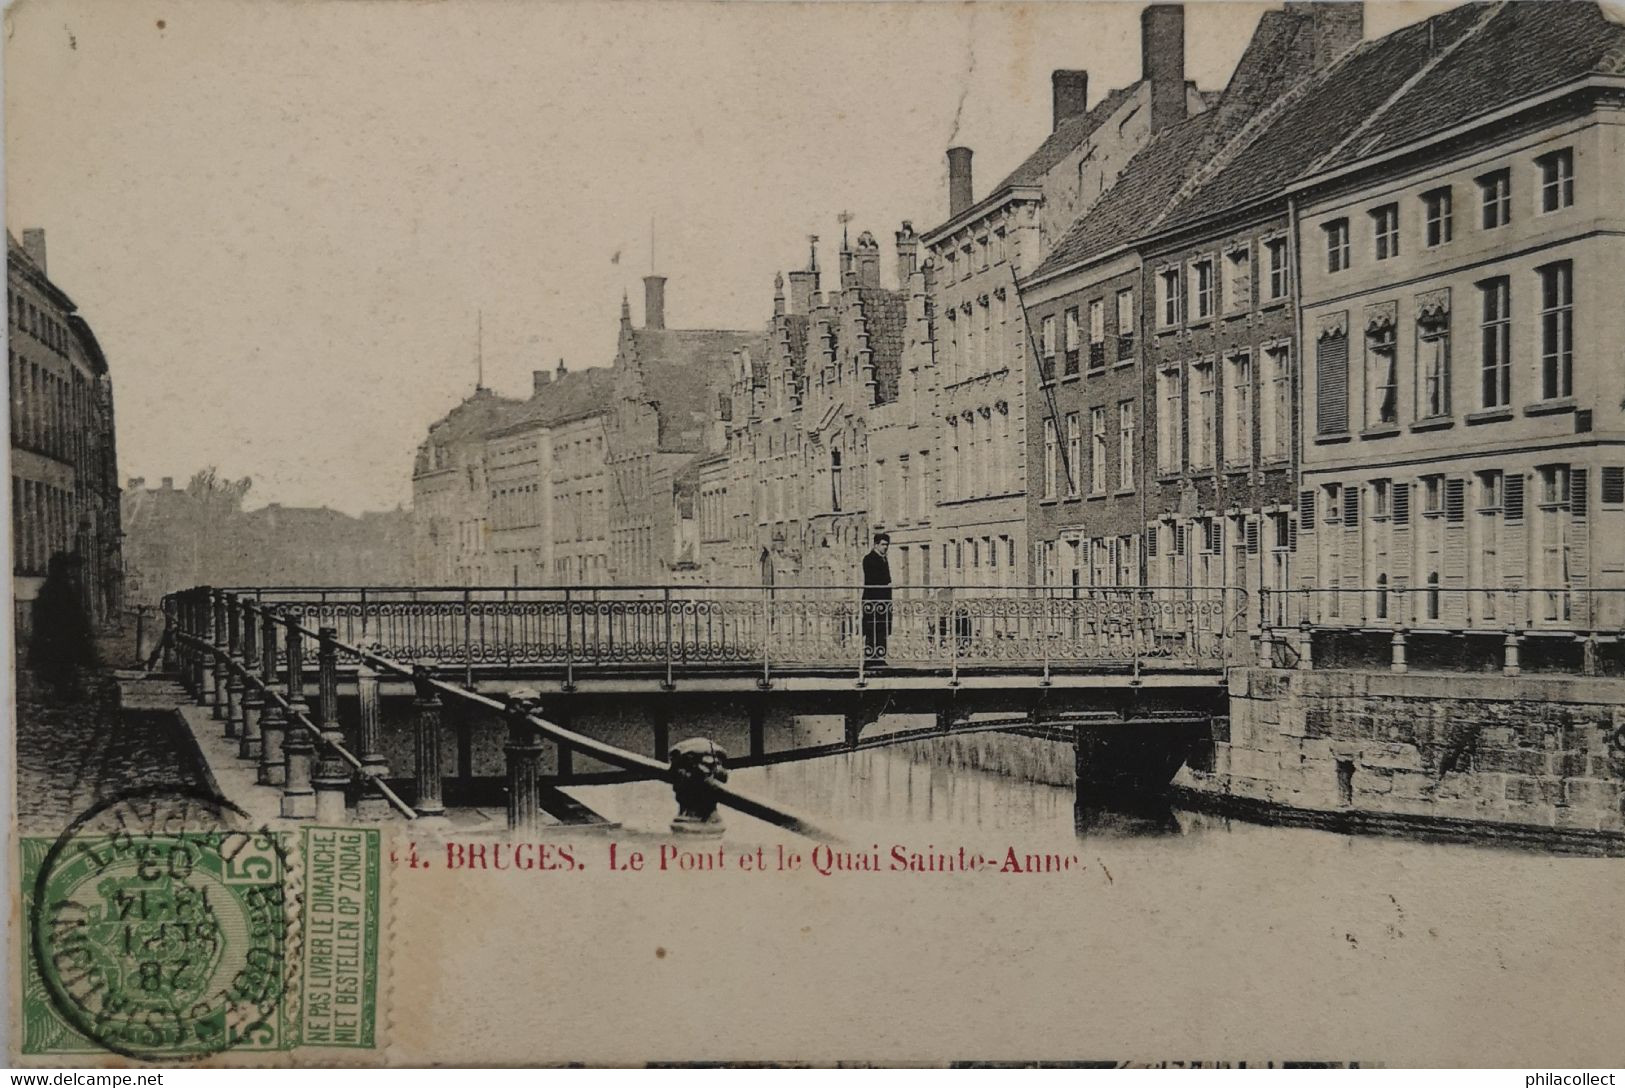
point(524, 755)
point(234, 661)
point(426, 709)
point(372, 804)
point(332, 772)
point(273, 764)
point(298, 796)
point(253, 701)
point(221, 670)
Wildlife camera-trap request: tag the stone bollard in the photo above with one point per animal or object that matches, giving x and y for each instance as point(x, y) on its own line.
point(1512, 643)
point(371, 805)
point(426, 710)
point(332, 775)
point(1398, 651)
point(298, 796)
point(524, 756)
point(1306, 645)
point(1588, 650)
point(696, 763)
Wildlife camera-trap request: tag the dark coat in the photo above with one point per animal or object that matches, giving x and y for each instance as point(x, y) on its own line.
point(876, 577)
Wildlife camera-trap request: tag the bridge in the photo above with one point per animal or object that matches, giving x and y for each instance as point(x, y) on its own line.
point(591, 684)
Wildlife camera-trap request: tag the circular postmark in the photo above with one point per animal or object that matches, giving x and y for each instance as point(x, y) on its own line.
point(161, 925)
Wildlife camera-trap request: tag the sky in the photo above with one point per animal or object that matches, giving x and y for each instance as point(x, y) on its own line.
point(285, 219)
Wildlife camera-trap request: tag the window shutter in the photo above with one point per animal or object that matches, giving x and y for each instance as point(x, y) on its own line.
point(1452, 608)
point(1306, 510)
point(1179, 539)
point(1213, 532)
point(1252, 536)
point(1580, 544)
point(1512, 496)
point(1152, 536)
point(1515, 533)
point(1579, 493)
point(1613, 485)
point(1112, 554)
point(1351, 507)
point(1402, 504)
point(1291, 534)
point(1332, 385)
point(1455, 500)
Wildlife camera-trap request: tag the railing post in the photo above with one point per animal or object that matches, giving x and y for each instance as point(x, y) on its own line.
point(221, 670)
point(1306, 642)
point(666, 596)
point(767, 641)
point(371, 805)
point(168, 639)
point(1049, 631)
point(332, 772)
point(524, 754)
point(273, 764)
point(203, 629)
point(1266, 631)
point(1511, 644)
point(468, 640)
point(298, 797)
point(234, 662)
point(569, 643)
point(253, 699)
point(426, 708)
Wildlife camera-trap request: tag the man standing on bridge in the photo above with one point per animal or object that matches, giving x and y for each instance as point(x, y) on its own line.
point(876, 601)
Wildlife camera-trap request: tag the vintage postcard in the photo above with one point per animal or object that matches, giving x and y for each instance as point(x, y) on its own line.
point(815, 533)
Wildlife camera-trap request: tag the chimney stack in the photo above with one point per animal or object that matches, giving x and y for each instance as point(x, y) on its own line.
point(1162, 62)
point(868, 260)
point(539, 380)
point(1070, 89)
point(959, 187)
point(654, 302)
point(908, 253)
point(1334, 27)
point(778, 294)
point(169, 483)
point(136, 483)
point(561, 368)
point(34, 246)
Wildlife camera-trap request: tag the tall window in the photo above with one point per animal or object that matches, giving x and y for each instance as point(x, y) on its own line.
point(1385, 231)
point(835, 479)
point(1556, 330)
point(1202, 275)
point(1275, 257)
point(1433, 365)
point(1495, 332)
point(1051, 458)
point(1201, 409)
point(1097, 334)
point(1074, 450)
point(1238, 410)
point(1071, 366)
point(1337, 245)
point(1556, 179)
point(1170, 421)
point(1275, 420)
point(1238, 280)
point(1332, 384)
point(1097, 451)
point(1046, 343)
point(1436, 207)
point(1168, 301)
point(1382, 378)
point(1125, 445)
point(1125, 323)
point(1495, 197)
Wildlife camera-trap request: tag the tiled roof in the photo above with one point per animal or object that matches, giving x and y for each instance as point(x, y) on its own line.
point(482, 412)
point(575, 393)
point(885, 315)
point(682, 371)
point(1522, 50)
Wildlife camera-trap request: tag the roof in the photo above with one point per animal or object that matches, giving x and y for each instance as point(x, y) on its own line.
point(575, 393)
point(481, 412)
point(885, 316)
point(683, 369)
point(19, 258)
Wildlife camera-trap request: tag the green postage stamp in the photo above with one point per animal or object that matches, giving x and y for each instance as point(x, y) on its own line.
point(160, 940)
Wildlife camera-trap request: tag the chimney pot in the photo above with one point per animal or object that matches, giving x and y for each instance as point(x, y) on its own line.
point(654, 302)
point(1070, 90)
point(908, 253)
point(561, 368)
point(34, 246)
point(959, 180)
point(1162, 62)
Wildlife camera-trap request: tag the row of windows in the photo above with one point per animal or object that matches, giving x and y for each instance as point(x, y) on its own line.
point(44, 521)
point(1205, 288)
point(979, 455)
point(1554, 191)
point(1207, 415)
point(976, 256)
point(1112, 437)
point(1550, 374)
point(24, 315)
point(1121, 342)
point(51, 414)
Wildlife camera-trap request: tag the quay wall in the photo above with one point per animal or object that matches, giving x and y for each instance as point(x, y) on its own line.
point(1502, 753)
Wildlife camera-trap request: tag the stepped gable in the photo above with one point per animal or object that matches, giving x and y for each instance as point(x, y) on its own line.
point(1522, 50)
point(796, 327)
point(1313, 124)
point(885, 315)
